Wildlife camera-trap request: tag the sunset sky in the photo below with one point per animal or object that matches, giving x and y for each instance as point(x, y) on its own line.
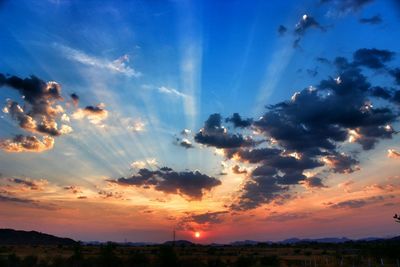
point(261, 120)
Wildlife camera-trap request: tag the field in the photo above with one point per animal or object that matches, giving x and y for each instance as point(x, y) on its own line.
point(361, 254)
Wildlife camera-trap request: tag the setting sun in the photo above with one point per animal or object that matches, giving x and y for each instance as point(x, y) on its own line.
point(197, 234)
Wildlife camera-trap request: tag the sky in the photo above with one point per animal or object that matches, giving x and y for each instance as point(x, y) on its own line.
point(260, 120)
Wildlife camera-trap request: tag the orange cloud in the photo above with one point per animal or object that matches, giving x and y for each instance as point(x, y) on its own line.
point(393, 154)
point(22, 143)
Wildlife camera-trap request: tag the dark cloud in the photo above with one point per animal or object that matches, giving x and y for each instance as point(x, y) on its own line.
point(314, 182)
point(380, 92)
point(73, 189)
point(208, 217)
point(75, 99)
point(95, 114)
point(31, 184)
point(306, 22)
point(238, 122)
point(347, 6)
point(33, 89)
point(323, 60)
point(41, 112)
point(396, 75)
point(372, 58)
point(309, 130)
point(341, 163)
point(110, 194)
point(214, 134)
point(5, 198)
point(183, 139)
point(260, 189)
point(358, 203)
point(371, 20)
point(185, 143)
point(237, 170)
point(282, 30)
point(190, 184)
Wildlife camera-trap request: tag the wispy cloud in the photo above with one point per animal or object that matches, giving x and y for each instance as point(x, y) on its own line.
point(166, 90)
point(171, 91)
point(118, 65)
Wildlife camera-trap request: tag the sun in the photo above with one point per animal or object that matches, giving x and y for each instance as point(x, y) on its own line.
point(197, 234)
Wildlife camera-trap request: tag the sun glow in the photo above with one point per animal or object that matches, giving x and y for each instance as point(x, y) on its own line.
point(197, 235)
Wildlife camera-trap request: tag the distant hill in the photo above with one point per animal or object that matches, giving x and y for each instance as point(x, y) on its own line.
point(245, 243)
point(179, 243)
point(331, 240)
point(15, 237)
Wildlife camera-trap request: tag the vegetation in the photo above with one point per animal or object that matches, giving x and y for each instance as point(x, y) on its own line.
point(360, 253)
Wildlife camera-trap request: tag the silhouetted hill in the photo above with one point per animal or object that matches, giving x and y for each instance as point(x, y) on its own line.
point(179, 243)
point(331, 240)
point(15, 237)
point(245, 243)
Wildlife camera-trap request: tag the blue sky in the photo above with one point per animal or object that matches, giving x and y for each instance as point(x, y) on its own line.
point(155, 68)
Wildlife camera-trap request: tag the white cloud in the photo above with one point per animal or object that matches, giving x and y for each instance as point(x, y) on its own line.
point(171, 91)
point(140, 164)
point(118, 65)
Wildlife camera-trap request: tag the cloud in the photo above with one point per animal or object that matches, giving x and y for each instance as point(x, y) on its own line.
point(346, 186)
point(95, 114)
point(29, 183)
point(21, 143)
point(73, 189)
point(313, 182)
point(371, 20)
point(109, 194)
point(309, 130)
point(41, 110)
point(214, 134)
point(4, 198)
point(171, 91)
point(208, 217)
point(140, 164)
point(323, 60)
point(10, 198)
point(238, 122)
point(75, 99)
point(185, 139)
point(260, 189)
point(282, 30)
point(343, 7)
point(137, 126)
point(393, 154)
point(396, 74)
point(372, 58)
point(202, 221)
point(118, 65)
point(186, 143)
point(306, 22)
point(237, 170)
point(189, 184)
point(341, 163)
point(358, 203)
